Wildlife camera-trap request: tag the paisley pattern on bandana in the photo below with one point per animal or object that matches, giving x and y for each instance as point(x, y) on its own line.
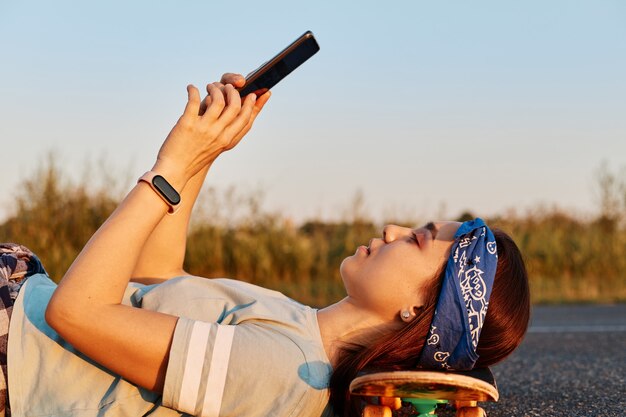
point(463, 301)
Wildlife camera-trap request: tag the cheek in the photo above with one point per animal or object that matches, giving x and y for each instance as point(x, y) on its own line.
point(427, 271)
point(430, 270)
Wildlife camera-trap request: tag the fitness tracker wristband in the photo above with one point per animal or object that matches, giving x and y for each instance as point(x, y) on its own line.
point(163, 189)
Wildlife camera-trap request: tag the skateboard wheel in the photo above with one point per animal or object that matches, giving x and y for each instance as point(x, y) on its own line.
point(376, 411)
point(471, 412)
point(392, 402)
point(460, 404)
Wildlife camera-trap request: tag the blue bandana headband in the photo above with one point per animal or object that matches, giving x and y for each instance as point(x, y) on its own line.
point(463, 301)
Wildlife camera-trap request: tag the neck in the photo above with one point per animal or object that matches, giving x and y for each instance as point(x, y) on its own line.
point(343, 322)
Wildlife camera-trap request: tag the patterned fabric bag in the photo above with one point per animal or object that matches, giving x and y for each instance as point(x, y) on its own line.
point(17, 263)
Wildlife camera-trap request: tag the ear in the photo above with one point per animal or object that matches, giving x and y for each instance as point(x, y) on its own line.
point(408, 314)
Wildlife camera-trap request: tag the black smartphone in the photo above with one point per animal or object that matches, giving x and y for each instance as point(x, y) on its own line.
point(270, 73)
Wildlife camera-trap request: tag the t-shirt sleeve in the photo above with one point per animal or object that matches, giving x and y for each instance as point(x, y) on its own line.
point(197, 367)
point(248, 369)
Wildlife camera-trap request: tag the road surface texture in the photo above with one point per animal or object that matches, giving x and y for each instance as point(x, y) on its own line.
point(571, 363)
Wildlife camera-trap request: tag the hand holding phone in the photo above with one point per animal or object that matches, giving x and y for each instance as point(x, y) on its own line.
point(270, 73)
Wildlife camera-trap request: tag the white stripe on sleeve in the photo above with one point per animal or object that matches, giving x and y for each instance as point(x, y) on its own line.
point(217, 372)
point(193, 367)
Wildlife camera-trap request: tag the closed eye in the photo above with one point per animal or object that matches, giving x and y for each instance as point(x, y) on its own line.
point(432, 228)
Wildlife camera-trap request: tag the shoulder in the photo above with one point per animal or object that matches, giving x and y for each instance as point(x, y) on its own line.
point(218, 300)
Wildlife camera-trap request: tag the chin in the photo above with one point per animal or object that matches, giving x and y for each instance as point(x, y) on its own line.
point(342, 274)
point(346, 269)
point(342, 267)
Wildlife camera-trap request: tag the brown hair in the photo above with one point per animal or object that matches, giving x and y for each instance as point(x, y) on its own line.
point(505, 325)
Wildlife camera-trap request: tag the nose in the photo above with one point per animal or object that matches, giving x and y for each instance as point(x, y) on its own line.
point(392, 232)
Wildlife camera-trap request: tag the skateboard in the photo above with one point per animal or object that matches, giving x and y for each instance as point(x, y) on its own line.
point(418, 393)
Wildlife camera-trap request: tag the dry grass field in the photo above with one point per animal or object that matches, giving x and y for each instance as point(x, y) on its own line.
point(569, 259)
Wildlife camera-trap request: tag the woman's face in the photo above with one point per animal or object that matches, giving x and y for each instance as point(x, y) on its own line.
point(390, 274)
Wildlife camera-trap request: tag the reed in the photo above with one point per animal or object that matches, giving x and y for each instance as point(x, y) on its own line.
point(570, 259)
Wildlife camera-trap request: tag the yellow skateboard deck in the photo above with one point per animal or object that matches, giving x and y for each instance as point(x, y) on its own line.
point(424, 390)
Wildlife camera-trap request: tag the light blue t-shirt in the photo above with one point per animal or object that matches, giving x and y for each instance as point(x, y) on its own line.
point(238, 350)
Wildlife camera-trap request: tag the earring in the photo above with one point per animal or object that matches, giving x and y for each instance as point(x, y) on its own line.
point(406, 316)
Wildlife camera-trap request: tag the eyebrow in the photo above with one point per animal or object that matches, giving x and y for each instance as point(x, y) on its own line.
point(430, 226)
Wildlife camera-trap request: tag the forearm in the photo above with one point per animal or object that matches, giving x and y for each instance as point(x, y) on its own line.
point(86, 308)
point(102, 270)
point(163, 254)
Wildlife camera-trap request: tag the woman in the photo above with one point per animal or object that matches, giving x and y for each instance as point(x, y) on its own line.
point(223, 347)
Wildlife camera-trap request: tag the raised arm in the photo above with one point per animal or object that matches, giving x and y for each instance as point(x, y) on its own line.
point(86, 308)
point(163, 254)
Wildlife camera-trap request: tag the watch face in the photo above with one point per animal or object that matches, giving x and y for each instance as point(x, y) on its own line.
point(166, 190)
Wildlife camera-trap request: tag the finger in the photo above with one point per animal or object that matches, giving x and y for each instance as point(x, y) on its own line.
point(217, 103)
point(218, 85)
point(258, 106)
point(193, 101)
point(243, 118)
point(233, 105)
point(260, 102)
point(237, 80)
point(207, 100)
point(203, 106)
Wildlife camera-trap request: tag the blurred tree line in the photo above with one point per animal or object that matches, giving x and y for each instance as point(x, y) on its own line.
point(569, 259)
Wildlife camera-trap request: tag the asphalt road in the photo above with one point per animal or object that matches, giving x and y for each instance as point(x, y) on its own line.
point(571, 363)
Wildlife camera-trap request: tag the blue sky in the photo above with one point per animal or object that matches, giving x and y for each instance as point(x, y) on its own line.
point(427, 108)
